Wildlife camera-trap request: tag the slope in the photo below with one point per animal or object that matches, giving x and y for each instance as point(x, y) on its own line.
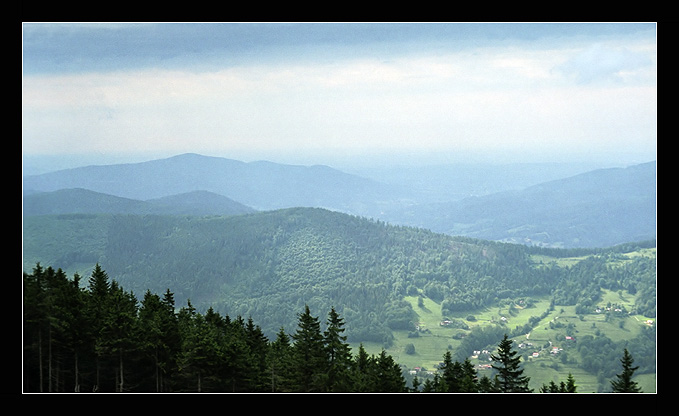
point(261, 185)
point(83, 201)
point(268, 265)
point(594, 209)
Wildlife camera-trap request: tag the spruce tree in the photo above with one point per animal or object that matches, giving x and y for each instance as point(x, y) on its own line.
point(99, 288)
point(567, 387)
point(450, 374)
point(74, 328)
point(258, 345)
point(171, 342)
point(338, 353)
point(236, 362)
point(280, 362)
point(119, 331)
point(154, 337)
point(35, 318)
point(507, 363)
point(388, 375)
point(309, 354)
point(361, 374)
point(468, 377)
point(486, 385)
point(623, 382)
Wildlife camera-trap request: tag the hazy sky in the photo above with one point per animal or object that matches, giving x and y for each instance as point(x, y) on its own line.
point(316, 93)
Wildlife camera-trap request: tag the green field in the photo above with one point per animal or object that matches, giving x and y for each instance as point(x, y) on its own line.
point(434, 339)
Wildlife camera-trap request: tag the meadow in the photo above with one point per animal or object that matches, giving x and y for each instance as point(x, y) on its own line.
point(546, 339)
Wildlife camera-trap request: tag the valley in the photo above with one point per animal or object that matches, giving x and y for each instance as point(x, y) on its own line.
point(556, 357)
point(412, 290)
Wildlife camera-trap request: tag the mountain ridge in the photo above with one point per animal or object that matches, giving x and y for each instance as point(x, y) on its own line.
point(84, 201)
point(280, 260)
point(602, 207)
point(599, 208)
point(261, 185)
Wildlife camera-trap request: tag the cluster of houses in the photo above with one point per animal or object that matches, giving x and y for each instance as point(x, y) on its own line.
point(554, 350)
point(600, 309)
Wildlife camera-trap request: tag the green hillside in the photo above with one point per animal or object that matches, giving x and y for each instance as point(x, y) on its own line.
point(393, 285)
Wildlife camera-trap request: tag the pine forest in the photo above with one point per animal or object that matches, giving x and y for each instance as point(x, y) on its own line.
point(98, 337)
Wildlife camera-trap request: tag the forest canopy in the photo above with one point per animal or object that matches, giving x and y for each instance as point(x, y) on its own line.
point(99, 337)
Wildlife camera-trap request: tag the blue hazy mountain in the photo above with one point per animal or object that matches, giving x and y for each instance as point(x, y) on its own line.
point(83, 201)
point(596, 208)
point(260, 185)
point(600, 208)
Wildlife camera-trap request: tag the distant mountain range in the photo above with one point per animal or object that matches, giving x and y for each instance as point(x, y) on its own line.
point(260, 185)
point(594, 209)
point(600, 208)
point(83, 201)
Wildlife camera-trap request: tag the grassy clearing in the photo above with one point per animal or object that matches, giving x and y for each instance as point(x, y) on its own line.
point(434, 340)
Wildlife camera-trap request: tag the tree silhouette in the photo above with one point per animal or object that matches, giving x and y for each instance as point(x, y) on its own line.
point(507, 363)
point(623, 383)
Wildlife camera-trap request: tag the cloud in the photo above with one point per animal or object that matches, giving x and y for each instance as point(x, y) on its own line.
point(600, 62)
point(484, 98)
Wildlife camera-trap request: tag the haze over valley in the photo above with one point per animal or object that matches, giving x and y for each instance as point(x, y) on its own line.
point(598, 208)
point(441, 187)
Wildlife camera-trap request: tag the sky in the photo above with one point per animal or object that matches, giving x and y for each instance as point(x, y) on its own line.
point(331, 93)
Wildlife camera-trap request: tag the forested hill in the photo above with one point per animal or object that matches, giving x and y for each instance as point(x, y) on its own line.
point(269, 265)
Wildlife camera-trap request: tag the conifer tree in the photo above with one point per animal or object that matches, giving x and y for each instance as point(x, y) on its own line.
point(236, 364)
point(388, 375)
point(34, 323)
point(507, 363)
point(157, 334)
point(99, 289)
point(468, 377)
point(434, 385)
point(207, 353)
point(450, 373)
point(338, 353)
point(309, 355)
point(486, 385)
point(258, 346)
point(119, 330)
point(415, 385)
point(188, 360)
point(361, 376)
point(171, 342)
point(623, 382)
point(567, 387)
point(279, 361)
point(74, 329)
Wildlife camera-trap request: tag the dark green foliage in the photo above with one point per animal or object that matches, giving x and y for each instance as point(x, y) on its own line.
point(623, 382)
point(101, 339)
point(338, 354)
point(507, 363)
point(457, 377)
point(567, 387)
point(268, 265)
point(308, 354)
